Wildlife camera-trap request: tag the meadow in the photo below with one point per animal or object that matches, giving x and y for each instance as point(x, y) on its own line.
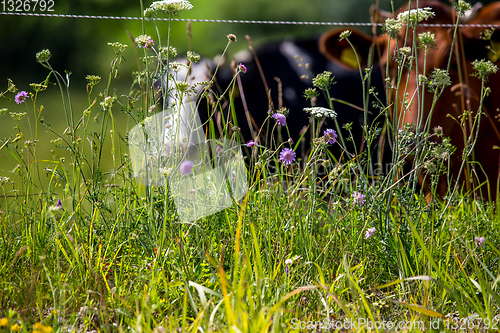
point(97, 236)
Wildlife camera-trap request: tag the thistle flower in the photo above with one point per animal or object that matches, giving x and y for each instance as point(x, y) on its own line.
point(330, 136)
point(359, 198)
point(319, 112)
point(43, 56)
point(186, 167)
point(287, 156)
point(280, 118)
point(479, 241)
point(21, 97)
point(171, 6)
point(369, 232)
point(242, 68)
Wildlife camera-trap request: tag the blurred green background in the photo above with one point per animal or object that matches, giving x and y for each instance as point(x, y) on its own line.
point(80, 46)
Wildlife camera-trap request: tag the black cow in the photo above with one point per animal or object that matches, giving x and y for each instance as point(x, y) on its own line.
point(284, 63)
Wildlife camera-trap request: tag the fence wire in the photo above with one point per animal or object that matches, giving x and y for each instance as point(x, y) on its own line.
point(359, 24)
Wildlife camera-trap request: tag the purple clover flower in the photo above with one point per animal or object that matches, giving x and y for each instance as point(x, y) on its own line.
point(369, 232)
point(149, 44)
point(287, 156)
point(21, 97)
point(359, 198)
point(242, 68)
point(280, 118)
point(330, 136)
point(479, 241)
point(186, 167)
point(251, 143)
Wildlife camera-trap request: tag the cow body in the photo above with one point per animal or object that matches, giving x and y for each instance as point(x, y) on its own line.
point(287, 76)
point(412, 103)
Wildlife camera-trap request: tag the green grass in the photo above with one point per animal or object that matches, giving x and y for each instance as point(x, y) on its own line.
point(115, 256)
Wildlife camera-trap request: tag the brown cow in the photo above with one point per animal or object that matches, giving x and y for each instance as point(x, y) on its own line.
point(463, 92)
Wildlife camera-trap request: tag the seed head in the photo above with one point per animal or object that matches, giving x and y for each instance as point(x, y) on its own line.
point(193, 56)
point(483, 68)
point(345, 34)
point(231, 37)
point(324, 81)
point(43, 56)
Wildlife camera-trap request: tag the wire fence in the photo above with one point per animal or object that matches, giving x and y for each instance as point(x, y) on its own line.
point(360, 24)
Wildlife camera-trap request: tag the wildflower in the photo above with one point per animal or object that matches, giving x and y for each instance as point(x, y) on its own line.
point(414, 16)
point(405, 51)
point(17, 116)
point(182, 86)
point(369, 232)
point(108, 102)
point(345, 34)
point(330, 136)
point(438, 131)
point(59, 204)
point(280, 118)
point(3, 111)
point(461, 7)
point(143, 40)
point(427, 39)
point(359, 198)
point(93, 80)
point(149, 13)
point(149, 44)
point(319, 112)
point(392, 27)
point(288, 262)
point(439, 79)
point(118, 47)
point(37, 87)
point(218, 150)
point(479, 241)
point(483, 68)
point(250, 143)
point(323, 80)
point(287, 156)
point(171, 6)
point(21, 97)
point(231, 37)
point(186, 167)
point(169, 52)
point(193, 56)
point(43, 56)
point(4, 323)
point(310, 93)
point(15, 328)
point(242, 68)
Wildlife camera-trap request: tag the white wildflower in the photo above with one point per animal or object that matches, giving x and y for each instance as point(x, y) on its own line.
point(319, 112)
point(415, 16)
point(171, 6)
